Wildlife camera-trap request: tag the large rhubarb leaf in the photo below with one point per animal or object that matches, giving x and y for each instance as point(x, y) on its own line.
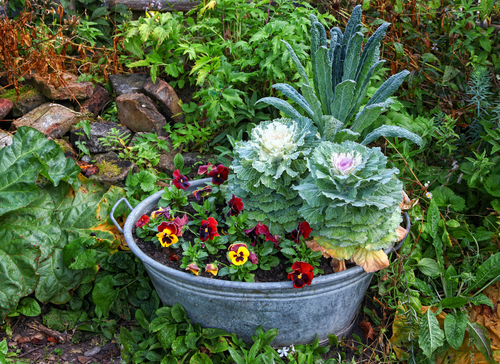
point(81, 214)
point(34, 223)
point(31, 154)
point(39, 219)
point(18, 263)
point(57, 280)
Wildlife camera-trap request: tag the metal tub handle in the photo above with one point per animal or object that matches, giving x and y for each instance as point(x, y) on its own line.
point(111, 214)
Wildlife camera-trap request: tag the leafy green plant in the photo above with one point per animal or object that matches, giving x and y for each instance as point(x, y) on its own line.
point(40, 185)
point(212, 53)
point(267, 166)
point(167, 335)
point(341, 79)
point(115, 139)
point(81, 144)
point(140, 185)
point(352, 202)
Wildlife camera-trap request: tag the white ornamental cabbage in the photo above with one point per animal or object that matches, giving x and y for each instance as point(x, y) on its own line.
point(351, 200)
point(274, 140)
point(267, 166)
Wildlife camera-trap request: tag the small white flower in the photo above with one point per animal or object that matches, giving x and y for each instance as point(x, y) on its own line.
point(345, 163)
point(292, 348)
point(283, 352)
point(428, 195)
point(498, 77)
point(426, 184)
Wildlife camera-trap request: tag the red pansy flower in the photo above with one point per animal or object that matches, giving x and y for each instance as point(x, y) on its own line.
point(142, 221)
point(205, 169)
point(219, 175)
point(168, 225)
point(261, 229)
point(235, 206)
point(180, 181)
point(176, 225)
point(301, 275)
point(302, 230)
point(202, 192)
point(208, 229)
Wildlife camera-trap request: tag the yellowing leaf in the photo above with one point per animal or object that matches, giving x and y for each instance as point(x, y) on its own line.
point(370, 260)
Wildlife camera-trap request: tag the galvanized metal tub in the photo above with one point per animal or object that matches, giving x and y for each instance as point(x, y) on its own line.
point(328, 306)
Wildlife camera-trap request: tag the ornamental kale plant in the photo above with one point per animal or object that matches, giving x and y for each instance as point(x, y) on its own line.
point(341, 77)
point(267, 166)
point(351, 200)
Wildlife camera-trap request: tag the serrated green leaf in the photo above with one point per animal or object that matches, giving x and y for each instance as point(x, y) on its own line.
point(454, 329)
point(392, 131)
point(200, 358)
point(178, 313)
point(445, 197)
point(488, 273)
point(29, 307)
point(344, 93)
point(104, 295)
point(145, 179)
point(481, 341)
point(78, 255)
point(430, 336)
point(453, 302)
point(481, 299)
point(429, 267)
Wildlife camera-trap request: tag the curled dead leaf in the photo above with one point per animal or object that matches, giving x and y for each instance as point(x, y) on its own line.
point(367, 330)
point(370, 260)
point(401, 233)
point(24, 339)
point(338, 265)
point(407, 204)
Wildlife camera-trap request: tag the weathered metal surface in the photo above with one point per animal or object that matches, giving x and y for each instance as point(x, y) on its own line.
point(327, 306)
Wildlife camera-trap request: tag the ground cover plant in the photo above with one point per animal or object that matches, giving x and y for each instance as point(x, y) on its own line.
point(436, 303)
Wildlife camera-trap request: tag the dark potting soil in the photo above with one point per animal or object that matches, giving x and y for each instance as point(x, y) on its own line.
point(162, 255)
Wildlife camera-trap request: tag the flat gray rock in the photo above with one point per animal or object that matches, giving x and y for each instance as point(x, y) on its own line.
point(131, 83)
